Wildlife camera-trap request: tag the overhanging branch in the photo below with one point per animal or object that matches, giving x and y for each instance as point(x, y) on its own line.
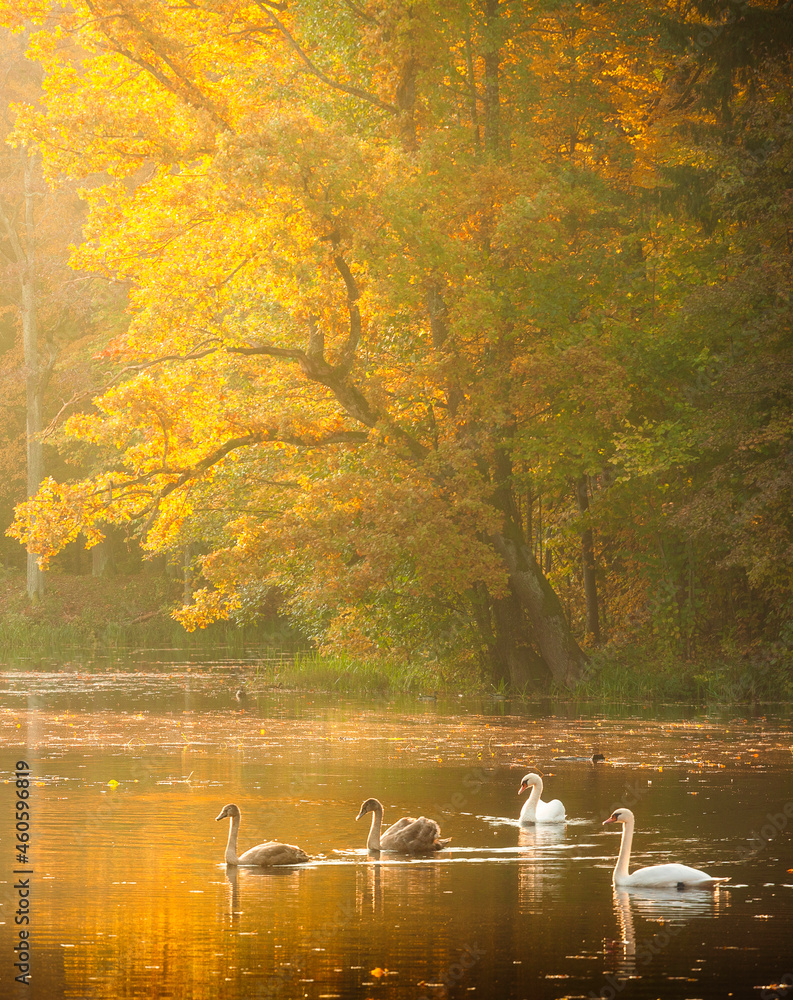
point(268, 436)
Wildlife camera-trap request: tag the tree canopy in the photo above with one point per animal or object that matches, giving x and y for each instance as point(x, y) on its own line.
point(422, 297)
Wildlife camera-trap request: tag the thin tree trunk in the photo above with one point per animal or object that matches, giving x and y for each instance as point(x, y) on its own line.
point(24, 250)
point(406, 102)
point(187, 581)
point(100, 559)
point(588, 565)
point(33, 382)
point(469, 65)
point(492, 97)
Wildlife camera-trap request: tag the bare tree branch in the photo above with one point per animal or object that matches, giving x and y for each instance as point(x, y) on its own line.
point(200, 351)
point(315, 71)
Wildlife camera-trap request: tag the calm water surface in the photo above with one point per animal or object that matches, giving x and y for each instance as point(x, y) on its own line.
point(130, 896)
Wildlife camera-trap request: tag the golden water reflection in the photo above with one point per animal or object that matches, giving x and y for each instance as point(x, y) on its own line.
point(132, 899)
point(661, 915)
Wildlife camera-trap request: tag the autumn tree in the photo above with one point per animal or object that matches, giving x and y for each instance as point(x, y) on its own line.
point(687, 516)
point(399, 275)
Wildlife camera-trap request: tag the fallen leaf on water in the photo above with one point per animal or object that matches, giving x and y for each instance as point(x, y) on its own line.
point(378, 972)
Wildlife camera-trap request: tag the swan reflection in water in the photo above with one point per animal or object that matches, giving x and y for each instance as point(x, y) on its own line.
point(412, 884)
point(281, 879)
point(540, 867)
point(369, 886)
point(542, 836)
point(665, 912)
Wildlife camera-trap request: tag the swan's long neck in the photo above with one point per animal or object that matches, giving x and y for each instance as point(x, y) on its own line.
point(373, 843)
point(621, 868)
point(529, 811)
point(231, 846)
point(534, 797)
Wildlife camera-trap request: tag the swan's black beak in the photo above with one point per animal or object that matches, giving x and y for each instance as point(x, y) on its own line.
point(219, 817)
point(359, 816)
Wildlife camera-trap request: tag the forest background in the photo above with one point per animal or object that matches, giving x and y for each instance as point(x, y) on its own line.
point(455, 334)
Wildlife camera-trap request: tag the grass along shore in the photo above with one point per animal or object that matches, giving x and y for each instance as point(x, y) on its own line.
point(110, 620)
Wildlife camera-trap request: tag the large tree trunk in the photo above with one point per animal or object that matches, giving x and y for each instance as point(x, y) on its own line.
point(513, 652)
point(560, 651)
point(588, 565)
point(547, 622)
point(509, 654)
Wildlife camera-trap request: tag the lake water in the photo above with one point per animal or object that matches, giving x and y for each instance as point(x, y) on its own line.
point(129, 896)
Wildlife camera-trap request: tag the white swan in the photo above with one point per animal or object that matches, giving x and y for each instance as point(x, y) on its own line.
point(407, 835)
point(654, 876)
point(536, 811)
point(271, 853)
